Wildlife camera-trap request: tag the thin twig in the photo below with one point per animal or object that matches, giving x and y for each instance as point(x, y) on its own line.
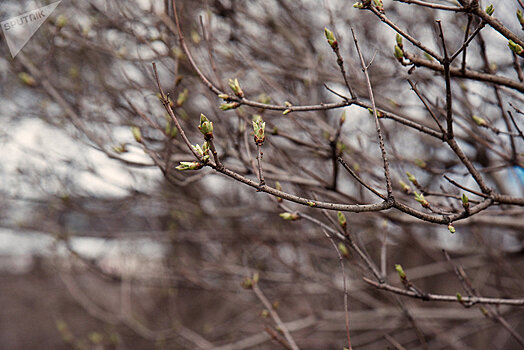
point(444, 298)
point(389, 187)
point(260, 295)
point(341, 261)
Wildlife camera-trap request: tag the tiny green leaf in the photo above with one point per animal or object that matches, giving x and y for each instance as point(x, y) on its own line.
point(490, 9)
point(341, 219)
point(332, 41)
point(400, 271)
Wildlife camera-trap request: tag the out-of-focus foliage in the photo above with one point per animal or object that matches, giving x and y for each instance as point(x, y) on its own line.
point(142, 255)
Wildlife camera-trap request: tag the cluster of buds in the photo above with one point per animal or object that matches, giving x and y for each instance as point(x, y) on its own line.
point(235, 86)
point(379, 5)
point(189, 166)
point(419, 197)
point(287, 111)
point(332, 41)
point(515, 47)
point(202, 151)
point(249, 282)
point(206, 127)
point(259, 127)
point(399, 48)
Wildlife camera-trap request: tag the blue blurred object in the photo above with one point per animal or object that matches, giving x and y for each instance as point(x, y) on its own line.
point(519, 171)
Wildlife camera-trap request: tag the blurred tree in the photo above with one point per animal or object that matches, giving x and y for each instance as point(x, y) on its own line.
point(370, 137)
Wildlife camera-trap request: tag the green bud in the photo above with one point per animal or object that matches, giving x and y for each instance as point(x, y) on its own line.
point(264, 313)
point(27, 79)
point(202, 151)
point(259, 127)
point(420, 198)
point(451, 228)
point(379, 113)
point(379, 5)
point(189, 166)
point(400, 271)
point(120, 148)
point(263, 98)
point(405, 187)
point(399, 54)
point(412, 179)
point(247, 283)
point(228, 106)
point(459, 297)
point(358, 5)
point(520, 18)
point(342, 219)
point(195, 37)
point(465, 201)
point(205, 127)
point(182, 97)
point(420, 163)
point(515, 47)
point(332, 41)
point(136, 134)
point(311, 204)
point(289, 216)
point(490, 9)
point(235, 87)
point(343, 249)
point(278, 187)
point(484, 311)
point(480, 121)
point(287, 111)
point(340, 147)
point(398, 38)
point(224, 96)
point(61, 21)
point(343, 117)
point(287, 104)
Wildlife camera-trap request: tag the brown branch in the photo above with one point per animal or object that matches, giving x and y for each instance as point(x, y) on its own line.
point(471, 300)
point(467, 74)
